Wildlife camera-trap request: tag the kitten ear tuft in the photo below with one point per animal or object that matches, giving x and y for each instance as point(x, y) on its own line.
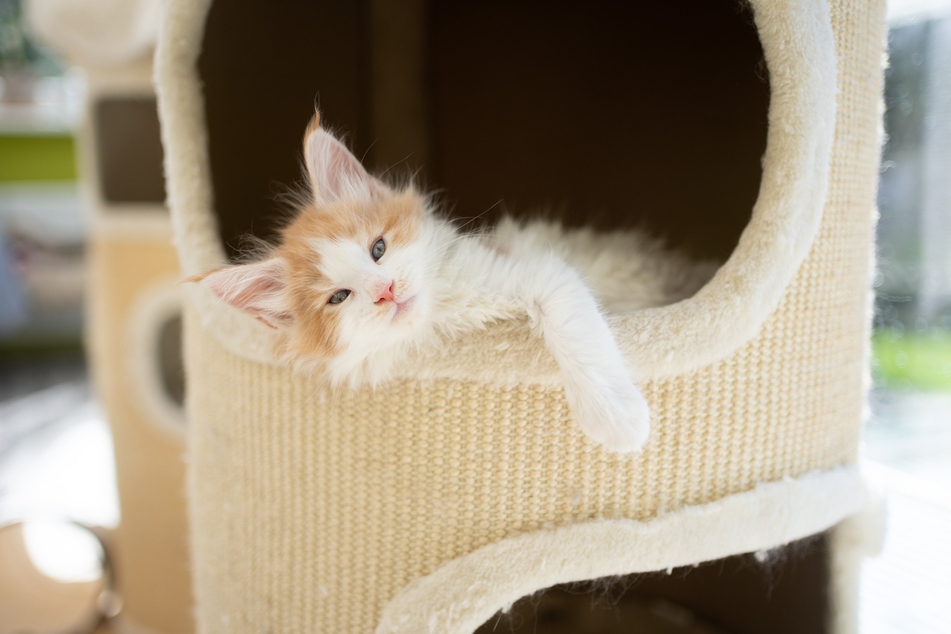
point(256, 288)
point(334, 172)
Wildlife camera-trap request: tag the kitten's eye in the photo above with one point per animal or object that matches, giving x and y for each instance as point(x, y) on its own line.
point(339, 296)
point(378, 249)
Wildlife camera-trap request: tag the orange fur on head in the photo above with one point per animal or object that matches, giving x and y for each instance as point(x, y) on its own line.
point(290, 289)
point(334, 216)
point(397, 218)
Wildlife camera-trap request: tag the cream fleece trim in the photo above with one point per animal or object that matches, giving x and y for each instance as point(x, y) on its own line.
point(464, 593)
point(185, 135)
point(799, 49)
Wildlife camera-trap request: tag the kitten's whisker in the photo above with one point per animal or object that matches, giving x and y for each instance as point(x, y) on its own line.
point(402, 160)
point(471, 219)
point(367, 151)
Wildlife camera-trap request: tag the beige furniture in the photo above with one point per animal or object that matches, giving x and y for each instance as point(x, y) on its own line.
point(433, 503)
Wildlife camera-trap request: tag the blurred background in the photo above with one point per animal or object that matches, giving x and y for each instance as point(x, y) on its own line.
point(56, 458)
point(91, 383)
point(58, 263)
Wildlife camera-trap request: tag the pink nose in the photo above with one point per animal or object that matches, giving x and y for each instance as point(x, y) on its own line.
point(384, 294)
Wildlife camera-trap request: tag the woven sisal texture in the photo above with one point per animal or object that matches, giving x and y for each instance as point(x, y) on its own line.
point(153, 571)
point(311, 510)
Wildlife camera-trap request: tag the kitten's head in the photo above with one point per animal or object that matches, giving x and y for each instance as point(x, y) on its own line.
point(351, 279)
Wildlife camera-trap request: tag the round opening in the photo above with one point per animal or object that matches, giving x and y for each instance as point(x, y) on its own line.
point(602, 113)
point(171, 365)
point(129, 152)
point(778, 591)
point(155, 357)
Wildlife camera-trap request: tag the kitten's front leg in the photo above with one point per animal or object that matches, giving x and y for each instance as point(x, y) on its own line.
point(604, 400)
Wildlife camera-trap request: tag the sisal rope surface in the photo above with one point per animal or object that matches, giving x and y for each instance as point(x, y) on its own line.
point(311, 510)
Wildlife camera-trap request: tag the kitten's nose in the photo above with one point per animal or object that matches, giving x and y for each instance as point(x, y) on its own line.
point(384, 294)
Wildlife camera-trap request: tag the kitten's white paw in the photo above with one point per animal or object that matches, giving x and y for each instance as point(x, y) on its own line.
point(617, 418)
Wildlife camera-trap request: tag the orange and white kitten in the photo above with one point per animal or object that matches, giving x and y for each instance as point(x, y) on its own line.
point(367, 272)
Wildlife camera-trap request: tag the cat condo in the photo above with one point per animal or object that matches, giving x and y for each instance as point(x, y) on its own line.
point(134, 308)
point(436, 503)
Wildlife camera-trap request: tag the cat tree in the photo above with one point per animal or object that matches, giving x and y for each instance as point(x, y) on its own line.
point(433, 503)
point(134, 304)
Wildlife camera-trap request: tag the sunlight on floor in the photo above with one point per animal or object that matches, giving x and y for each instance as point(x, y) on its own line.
point(905, 589)
point(56, 458)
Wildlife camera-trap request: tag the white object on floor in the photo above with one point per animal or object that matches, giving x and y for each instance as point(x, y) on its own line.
point(906, 588)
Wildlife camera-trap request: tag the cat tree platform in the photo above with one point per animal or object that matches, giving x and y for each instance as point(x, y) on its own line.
point(432, 503)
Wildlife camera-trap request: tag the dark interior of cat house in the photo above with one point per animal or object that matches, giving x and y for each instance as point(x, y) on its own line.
point(746, 594)
point(604, 113)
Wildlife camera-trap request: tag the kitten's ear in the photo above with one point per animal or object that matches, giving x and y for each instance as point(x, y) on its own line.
point(334, 172)
point(256, 288)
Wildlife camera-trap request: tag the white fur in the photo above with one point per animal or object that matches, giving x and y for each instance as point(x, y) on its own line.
point(448, 283)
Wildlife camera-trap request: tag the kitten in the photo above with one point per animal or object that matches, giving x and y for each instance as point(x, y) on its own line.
point(366, 272)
